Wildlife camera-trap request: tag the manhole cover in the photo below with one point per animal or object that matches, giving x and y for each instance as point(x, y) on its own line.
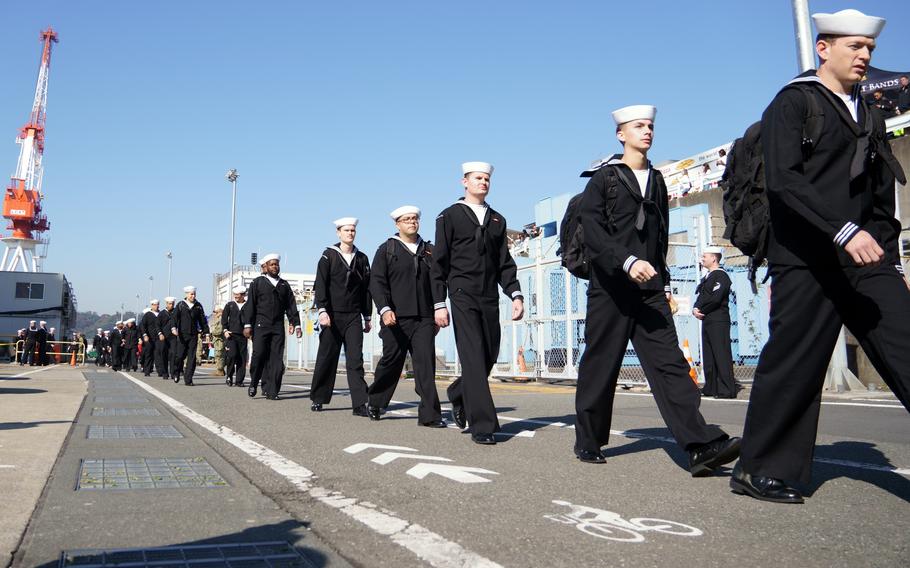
point(97, 432)
point(101, 411)
point(121, 399)
point(148, 473)
point(264, 554)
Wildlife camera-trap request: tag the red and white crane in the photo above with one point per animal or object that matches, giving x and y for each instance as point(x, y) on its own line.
point(22, 202)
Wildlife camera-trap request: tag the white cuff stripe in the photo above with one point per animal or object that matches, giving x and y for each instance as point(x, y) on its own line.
point(321, 310)
point(439, 306)
point(845, 233)
point(516, 293)
point(384, 310)
point(899, 267)
point(628, 263)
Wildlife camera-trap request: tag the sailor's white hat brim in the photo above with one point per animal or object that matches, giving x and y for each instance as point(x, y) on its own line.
point(634, 112)
point(481, 167)
point(848, 23)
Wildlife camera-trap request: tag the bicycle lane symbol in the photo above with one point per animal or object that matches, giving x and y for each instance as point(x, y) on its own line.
point(611, 526)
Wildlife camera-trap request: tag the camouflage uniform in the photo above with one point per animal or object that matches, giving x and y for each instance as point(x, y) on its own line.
point(218, 342)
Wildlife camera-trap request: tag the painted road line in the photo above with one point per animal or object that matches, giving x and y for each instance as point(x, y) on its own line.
point(746, 401)
point(459, 473)
point(430, 547)
point(32, 372)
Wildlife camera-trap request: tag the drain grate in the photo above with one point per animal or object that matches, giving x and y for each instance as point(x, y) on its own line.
point(259, 554)
point(148, 473)
point(121, 399)
point(101, 411)
point(108, 432)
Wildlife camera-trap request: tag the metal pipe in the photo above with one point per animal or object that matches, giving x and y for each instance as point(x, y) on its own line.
point(805, 44)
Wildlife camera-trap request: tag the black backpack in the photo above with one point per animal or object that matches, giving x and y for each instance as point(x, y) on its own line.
point(746, 211)
point(571, 234)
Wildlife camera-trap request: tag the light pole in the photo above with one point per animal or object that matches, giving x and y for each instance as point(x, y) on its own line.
point(170, 259)
point(232, 177)
point(138, 306)
point(151, 278)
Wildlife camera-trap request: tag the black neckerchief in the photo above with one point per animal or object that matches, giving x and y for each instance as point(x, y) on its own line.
point(480, 232)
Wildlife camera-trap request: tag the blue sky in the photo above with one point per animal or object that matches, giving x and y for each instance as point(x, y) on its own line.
point(329, 109)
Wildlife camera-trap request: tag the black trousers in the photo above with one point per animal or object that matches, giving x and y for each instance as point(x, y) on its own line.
point(185, 357)
point(130, 358)
point(42, 353)
point(235, 354)
point(717, 359)
point(808, 307)
point(416, 336)
point(267, 363)
point(477, 334)
point(614, 318)
point(346, 331)
point(149, 355)
point(168, 357)
point(28, 352)
point(116, 357)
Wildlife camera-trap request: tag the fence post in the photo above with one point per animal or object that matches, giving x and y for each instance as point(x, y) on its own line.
point(569, 368)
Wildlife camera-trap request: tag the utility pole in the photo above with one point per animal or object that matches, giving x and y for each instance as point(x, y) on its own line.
point(170, 260)
point(805, 52)
point(232, 177)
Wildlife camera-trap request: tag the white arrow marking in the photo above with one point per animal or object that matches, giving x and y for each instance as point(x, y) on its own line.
point(388, 457)
point(457, 473)
point(7, 467)
point(357, 448)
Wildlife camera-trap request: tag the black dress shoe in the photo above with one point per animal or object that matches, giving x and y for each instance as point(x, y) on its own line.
point(434, 424)
point(272, 397)
point(458, 415)
point(483, 439)
point(704, 459)
point(763, 488)
point(590, 456)
point(251, 391)
point(229, 381)
point(374, 412)
point(176, 377)
point(238, 384)
point(189, 384)
point(316, 407)
point(361, 410)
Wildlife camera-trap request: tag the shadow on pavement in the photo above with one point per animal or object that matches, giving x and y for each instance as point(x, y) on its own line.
point(20, 391)
point(15, 378)
point(865, 452)
point(650, 439)
point(291, 532)
point(23, 425)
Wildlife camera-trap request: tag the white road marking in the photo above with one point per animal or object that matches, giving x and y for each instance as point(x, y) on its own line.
point(32, 372)
point(459, 473)
point(746, 401)
point(635, 435)
point(357, 448)
point(7, 467)
point(430, 547)
point(388, 457)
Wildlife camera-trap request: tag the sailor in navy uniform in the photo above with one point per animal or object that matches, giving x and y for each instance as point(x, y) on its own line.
point(187, 320)
point(400, 285)
point(471, 261)
point(150, 331)
point(271, 299)
point(97, 342)
point(832, 254)
point(713, 309)
point(345, 307)
point(116, 346)
point(625, 217)
point(235, 344)
point(167, 343)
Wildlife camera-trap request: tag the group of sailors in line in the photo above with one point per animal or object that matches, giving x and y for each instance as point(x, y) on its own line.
point(833, 258)
point(36, 338)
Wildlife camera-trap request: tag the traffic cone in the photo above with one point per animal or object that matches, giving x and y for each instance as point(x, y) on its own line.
point(73, 360)
point(693, 372)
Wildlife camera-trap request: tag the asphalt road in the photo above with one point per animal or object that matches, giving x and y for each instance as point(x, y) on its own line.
point(390, 493)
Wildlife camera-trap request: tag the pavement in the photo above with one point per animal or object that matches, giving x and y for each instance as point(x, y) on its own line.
point(343, 490)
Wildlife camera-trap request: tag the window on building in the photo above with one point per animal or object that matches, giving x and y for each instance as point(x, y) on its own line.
point(30, 290)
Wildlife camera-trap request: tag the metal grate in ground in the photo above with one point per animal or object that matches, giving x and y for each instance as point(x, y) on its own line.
point(258, 554)
point(148, 473)
point(108, 432)
point(102, 411)
point(121, 399)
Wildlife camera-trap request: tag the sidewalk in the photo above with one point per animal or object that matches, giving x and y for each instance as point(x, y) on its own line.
point(37, 408)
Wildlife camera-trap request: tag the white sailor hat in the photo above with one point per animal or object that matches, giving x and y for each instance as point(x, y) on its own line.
point(42, 322)
point(119, 322)
point(154, 301)
point(188, 289)
point(405, 210)
point(714, 250)
point(107, 332)
point(99, 329)
point(146, 310)
point(239, 290)
point(131, 320)
point(481, 167)
point(848, 23)
point(170, 299)
point(268, 257)
point(634, 112)
point(32, 321)
point(339, 223)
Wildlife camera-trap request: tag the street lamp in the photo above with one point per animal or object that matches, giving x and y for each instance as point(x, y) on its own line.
point(138, 305)
point(232, 177)
point(170, 259)
point(151, 278)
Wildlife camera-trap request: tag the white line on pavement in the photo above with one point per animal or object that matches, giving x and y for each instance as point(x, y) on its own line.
point(430, 547)
point(745, 401)
point(38, 370)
